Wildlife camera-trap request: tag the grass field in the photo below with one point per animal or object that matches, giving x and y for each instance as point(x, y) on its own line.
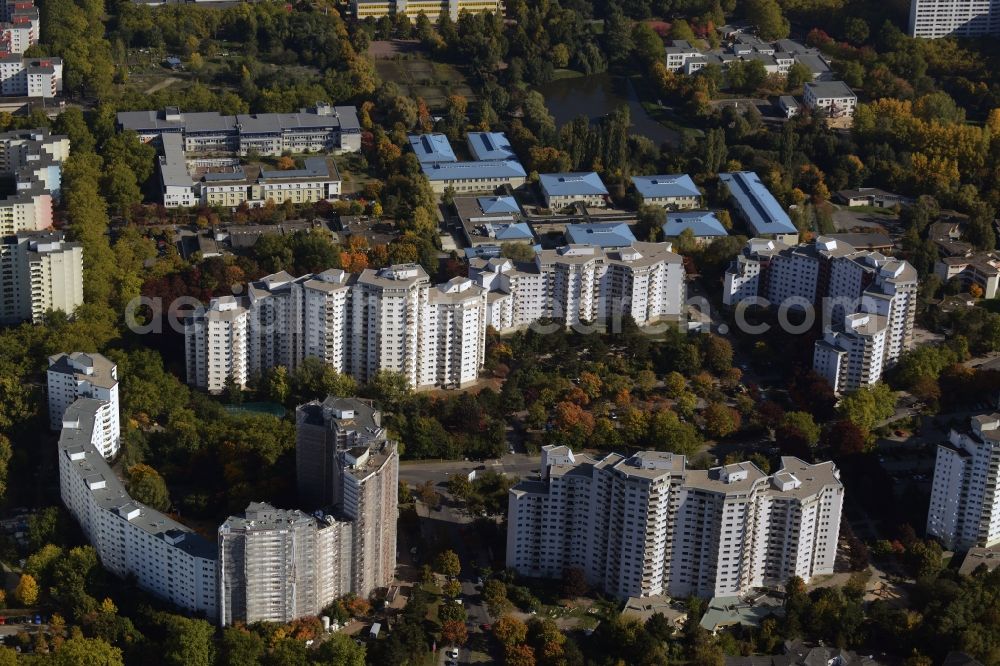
point(419, 77)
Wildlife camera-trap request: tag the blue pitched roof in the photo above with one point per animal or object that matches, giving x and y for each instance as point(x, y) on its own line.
point(489, 146)
point(466, 170)
point(511, 232)
point(570, 184)
point(677, 185)
point(498, 205)
point(432, 148)
point(762, 211)
point(609, 234)
point(702, 223)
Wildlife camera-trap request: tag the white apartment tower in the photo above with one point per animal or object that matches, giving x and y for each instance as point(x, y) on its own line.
point(279, 565)
point(645, 525)
point(851, 357)
point(454, 334)
point(386, 317)
point(39, 272)
point(965, 497)
point(79, 375)
point(961, 18)
point(215, 345)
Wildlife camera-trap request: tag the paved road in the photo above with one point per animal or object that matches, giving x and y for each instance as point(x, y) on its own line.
point(416, 472)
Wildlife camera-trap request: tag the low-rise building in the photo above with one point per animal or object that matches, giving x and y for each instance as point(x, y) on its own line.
point(564, 189)
point(758, 208)
point(79, 375)
point(494, 163)
point(492, 220)
point(600, 234)
point(704, 226)
point(432, 9)
point(675, 192)
point(833, 98)
point(872, 196)
point(788, 106)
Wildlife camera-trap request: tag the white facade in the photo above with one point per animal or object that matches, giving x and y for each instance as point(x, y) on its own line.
point(31, 77)
point(961, 18)
point(834, 98)
point(33, 160)
point(280, 565)
point(646, 525)
point(584, 283)
point(852, 356)
point(165, 558)
point(39, 272)
point(215, 345)
point(965, 497)
point(454, 334)
point(79, 375)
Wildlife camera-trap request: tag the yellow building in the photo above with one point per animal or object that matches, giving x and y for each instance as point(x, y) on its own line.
point(319, 180)
point(433, 9)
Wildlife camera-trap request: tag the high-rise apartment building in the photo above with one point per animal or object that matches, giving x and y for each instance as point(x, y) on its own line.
point(79, 375)
point(965, 496)
point(277, 565)
point(868, 301)
point(584, 283)
point(344, 462)
point(33, 160)
point(164, 557)
point(215, 345)
point(960, 18)
point(39, 272)
point(646, 525)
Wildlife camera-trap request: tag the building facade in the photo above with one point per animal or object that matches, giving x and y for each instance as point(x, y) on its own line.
point(215, 345)
point(165, 558)
point(79, 375)
point(674, 192)
point(39, 272)
point(33, 160)
point(960, 18)
point(30, 77)
point(345, 463)
point(833, 98)
point(584, 283)
point(279, 565)
point(433, 9)
point(646, 525)
point(565, 189)
point(965, 503)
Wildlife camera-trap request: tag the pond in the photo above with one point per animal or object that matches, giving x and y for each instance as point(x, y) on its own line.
point(598, 95)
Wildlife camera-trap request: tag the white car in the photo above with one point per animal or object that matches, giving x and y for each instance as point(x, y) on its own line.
point(452, 653)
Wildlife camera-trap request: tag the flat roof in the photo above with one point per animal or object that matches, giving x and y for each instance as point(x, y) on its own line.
point(830, 89)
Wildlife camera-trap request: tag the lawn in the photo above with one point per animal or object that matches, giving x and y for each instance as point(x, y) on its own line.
point(417, 76)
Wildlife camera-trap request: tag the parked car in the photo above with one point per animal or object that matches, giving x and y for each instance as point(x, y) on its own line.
point(452, 653)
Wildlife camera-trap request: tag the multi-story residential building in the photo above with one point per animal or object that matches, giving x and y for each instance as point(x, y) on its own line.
point(80, 375)
point(323, 128)
point(33, 160)
point(19, 27)
point(30, 77)
point(39, 272)
point(965, 503)
point(345, 462)
point(494, 163)
point(433, 9)
point(565, 189)
point(852, 355)
point(216, 345)
point(279, 565)
point(833, 98)
point(387, 305)
point(777, 57)
point(674, 192)
point(646, 525)
point(453, 334)
point(758, 208)
point(837, 280)
point(961, 18)
point(583, 283)
point(162, 556)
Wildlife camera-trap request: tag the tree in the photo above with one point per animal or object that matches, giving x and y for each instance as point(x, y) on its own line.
point(617, 36)
point(339, 650)
point(285, 163)
point(798, 74)
point(86, 652)
point(717, 353)
point(240, 647)
point(766, 15)
point(495, 596)
point(147, 486)
point(868, 405)
point(721, 420)
point(648, 45)
point(453, 632)
point(26, 591)
point(510, 631)
point(448, 564)
point(802, 425)
point(519, 655)
point(574, 583)
point(452, 588)
point(188, 642)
